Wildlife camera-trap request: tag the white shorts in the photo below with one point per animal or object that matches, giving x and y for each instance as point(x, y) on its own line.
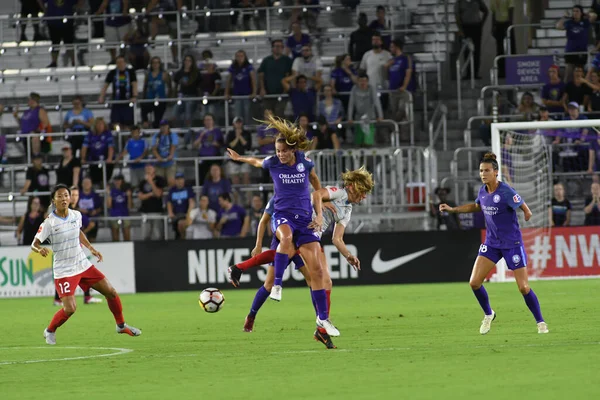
point(116, 34)
point(233, 168)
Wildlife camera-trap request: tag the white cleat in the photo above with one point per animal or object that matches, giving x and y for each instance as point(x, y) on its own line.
point(276, 293)
point(92, 300)
point(543, 327)
point(50, 337)
point(129, 330)
point(57, 303)
point(486, 324)
point(328, 326)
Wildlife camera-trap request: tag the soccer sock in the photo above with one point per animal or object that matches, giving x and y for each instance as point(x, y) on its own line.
point(534, 305)
point(280, 263)
point(259, 299)
point(321, 300)
point(484, 300)
point(266, 257)
point(59, 318)
point(312, 298)
point(86, 294)
point(56, 298)
point(328, 294)
point(117, 309)
point(298, 261)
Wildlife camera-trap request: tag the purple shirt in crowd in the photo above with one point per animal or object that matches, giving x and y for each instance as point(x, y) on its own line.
point(207, 148)
point(235, 220)
point(98, 145)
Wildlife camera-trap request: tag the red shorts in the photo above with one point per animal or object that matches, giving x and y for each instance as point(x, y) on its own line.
point(85, 280)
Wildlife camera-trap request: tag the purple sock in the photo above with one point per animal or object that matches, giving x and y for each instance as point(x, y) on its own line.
point(298, 261)
point(259, 299)
point(484, 300)
point(320, 298)
point(280, 263)
point(312, 297)
point(534, 305)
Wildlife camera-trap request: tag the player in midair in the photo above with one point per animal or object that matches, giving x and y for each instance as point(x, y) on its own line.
point(70, 265)
point(291, 172)
point(499, 203)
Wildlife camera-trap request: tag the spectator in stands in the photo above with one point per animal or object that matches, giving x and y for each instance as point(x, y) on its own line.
point(239, 140)
point(593, 13)
point(592, 206)
point(331, 108)
point(99, 145)
point(400, 75)
point(306, 11)
point(180, 201)
point(578, 30)
point(77, 119)
point(245, 7)
point(373, 64)
point(306, 126)
point(97, 25)
point(470, 18)
point(594, 103)
point(31, 9)
point(30, 222)
point(120, 202)
point(157, 86)
point(574, 158)
point(254, 214)
point(303, 98)
point(117, 25)
point(502, 18)
point(260, 16)
point(37, 179)
point(215, 185)
point(150, 192)
point(210, 85)
point(527, 107)
point(34, 120)
point(310, 66)
point(231, 218)
point(578, 90)
point(60, 30)
point(164, 148)
point(209, 143)
point(241, 81)
point(266, 136)
point(136, 41)
point(169, 20)
point(360, 39)
point(553, 91)
point(272, 71)
point(124, 89)
point(325, 137)
point(69, 167)
point(485, 130)
point(89, 204)
point(445, 221)
point(201, 221)
point(594, 154)
point(560, 207)
point(343, 78)
point(365, 104)
point(380, 25)
point(187, 84)
point(548, 134)
point(295, 42)
point(137, 149)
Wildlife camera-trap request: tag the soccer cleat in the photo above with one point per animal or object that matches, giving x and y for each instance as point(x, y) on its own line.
point(50, 337)
point(92, 300)
point(325, 339)
point(276, 293)
point(233, 275)
point(57, 303)
point(542, 327)
point(328, 326)
point(130, 330)
point(249, 323)
point(487, 323)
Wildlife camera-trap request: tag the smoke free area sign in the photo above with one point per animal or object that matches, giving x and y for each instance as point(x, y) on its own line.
point(528, 69)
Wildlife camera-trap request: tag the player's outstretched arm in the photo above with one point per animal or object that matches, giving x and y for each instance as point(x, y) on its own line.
point(260, 233)
point(465, 208)
point(526, 211)
point(255, 162)
point(317, 198)
point(338, 242)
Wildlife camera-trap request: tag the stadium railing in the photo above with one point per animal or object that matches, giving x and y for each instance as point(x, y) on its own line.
point(502, 88)
point(461, 68)
point(437, 125)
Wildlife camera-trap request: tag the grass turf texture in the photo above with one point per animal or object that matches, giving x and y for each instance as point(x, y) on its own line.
point(415, 341)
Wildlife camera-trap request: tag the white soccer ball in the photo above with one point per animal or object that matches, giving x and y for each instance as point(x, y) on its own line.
point(211, 300)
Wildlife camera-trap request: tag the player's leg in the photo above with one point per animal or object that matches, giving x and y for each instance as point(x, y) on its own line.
point(89, 299)
point(517, 262)
point(234, 273)
point(112, 298)
point(485, 261)
point(57, 301)
point(282, 256)
point(262, 294)
point(66, 291)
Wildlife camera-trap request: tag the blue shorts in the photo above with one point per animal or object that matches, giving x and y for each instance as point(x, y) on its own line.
point(515, 258)
point(302, 234)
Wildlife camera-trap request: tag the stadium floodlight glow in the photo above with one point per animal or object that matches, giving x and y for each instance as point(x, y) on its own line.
point(143, 9)
point(98, 46)
point(280, 10)
point(118, 128)
point(2, 51)
point(156, 103)
point(170, 44)
point(219, 42)
point(122, 45)
point(231, 12)
point(65, 20)
point(178, 102)
point(41, 137)
point(29, 15)
point(315, 127)
point(208, 13)
point(328, 8)
point(339, 126)
point(304, 9)
point(40, 14)
point(106, 105)
point(244, 40)
point(160, 16)
point(73, 77)
point(26, 50)
point(131, 104)
point(57, 107)
point(184, 15)
point(341, 36)
point(119, 222)
point(17, 139)
point(48, 78)
point(10, 197)
point(205, 100)
point(2, 80)
point(279, 98)
point(132, 11)
point(50, 49)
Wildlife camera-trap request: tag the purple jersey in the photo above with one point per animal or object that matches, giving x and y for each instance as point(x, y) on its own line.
point(30, 121)
point(235, 220)
point(89, 201)
point(180, 199)
point(577, 35)
point(499, 209)
point(262, 132)
point(296, 45)
point(291, 184)
point(554, 91)
point(98, 145)
point(119, 202)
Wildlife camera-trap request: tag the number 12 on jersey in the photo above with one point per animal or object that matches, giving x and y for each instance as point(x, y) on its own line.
point(65, 287)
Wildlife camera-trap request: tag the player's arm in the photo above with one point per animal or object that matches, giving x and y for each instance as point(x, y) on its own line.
point(86, 243)
point(526, 211)
point(314, 180)
point(260, 233)
point(338, 242)
point(40, 236)
point(465, 208)
point(317, 199)
point(255, 162)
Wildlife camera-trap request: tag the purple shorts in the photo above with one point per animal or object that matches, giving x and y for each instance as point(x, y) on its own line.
point(299, 225)
point(515, 258)
point(298, 261)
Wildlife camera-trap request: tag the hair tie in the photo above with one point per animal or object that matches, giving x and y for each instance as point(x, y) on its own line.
point(290, 144)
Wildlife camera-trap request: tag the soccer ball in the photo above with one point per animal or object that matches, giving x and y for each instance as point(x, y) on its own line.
point(211, 300)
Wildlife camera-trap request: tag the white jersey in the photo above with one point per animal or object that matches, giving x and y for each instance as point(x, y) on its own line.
point(343, 208)
point(63, 233)
point(200, 223)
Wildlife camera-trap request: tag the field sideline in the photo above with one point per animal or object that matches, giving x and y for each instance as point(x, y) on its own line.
point(415, 341)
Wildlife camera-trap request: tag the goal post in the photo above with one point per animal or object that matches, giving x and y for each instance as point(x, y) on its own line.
point(524, 157)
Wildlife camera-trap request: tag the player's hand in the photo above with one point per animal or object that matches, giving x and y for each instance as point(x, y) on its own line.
point(329, 206)
point(97, 254)
point(44, 252)
point(528, 215)
point(233, 154)
point(354, 261)
point(446, 207)
point(317, 224)
point(256, 251)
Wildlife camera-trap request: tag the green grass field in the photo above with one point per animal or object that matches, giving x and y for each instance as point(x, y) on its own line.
point(414, 341)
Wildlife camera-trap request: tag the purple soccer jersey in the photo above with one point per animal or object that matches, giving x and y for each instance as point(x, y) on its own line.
point(499, 209)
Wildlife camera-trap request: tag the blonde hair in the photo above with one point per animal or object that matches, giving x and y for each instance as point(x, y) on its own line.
point(360, 179)
point(289, 133)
